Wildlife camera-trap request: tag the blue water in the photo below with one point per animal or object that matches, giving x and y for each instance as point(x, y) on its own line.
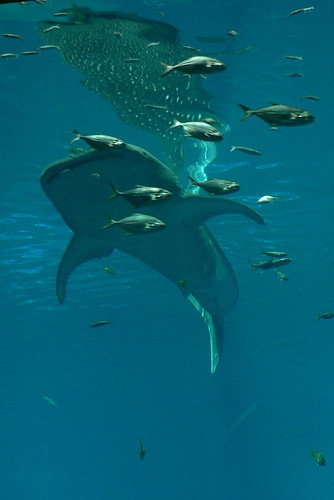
point(244, 432)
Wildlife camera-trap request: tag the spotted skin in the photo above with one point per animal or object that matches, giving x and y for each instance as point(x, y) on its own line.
point(112, 51)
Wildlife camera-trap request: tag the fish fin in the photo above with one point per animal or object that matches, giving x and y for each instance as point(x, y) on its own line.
point(168, 69)
point(79, 250)
point(215, 327)
point(247, 111)
point(115, 193)
point(201, 208)
point(176, 123)
point(76, 137)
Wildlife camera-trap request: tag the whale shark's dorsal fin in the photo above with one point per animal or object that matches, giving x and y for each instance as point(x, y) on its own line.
point(80, 249)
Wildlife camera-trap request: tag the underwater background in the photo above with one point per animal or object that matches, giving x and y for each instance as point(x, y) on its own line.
point(76, 402)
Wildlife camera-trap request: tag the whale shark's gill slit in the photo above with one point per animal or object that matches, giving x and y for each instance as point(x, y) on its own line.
point(214, 334)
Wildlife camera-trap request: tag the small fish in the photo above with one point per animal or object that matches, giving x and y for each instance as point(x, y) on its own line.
point(233, 33)
point(326, 315)
point(29, 53)
point(98, 141)
point(100, 323)
point(13, 35)
point(195, 65)
point(293, 75)
point(44, 47)
point(183, 284)
point(318, 457)
point(109, 270)
point(142, 451)
point(269, 264)
point(137, 224)
point(152, 44)
point(244, 149)
point(8, 55)
point(55, 27)
point(154, 106)
point(199, 130)
point(267, 199)
point(51, 402)
point(189, 47)
point(216, 186)
point(133, 59)
point(58, 14)
point(118, 34)
point(299, 11)
point(142, 195)
point(282, 276)
point(273, 253)
point(295, 58)
point(311, 97)
point(279, 115)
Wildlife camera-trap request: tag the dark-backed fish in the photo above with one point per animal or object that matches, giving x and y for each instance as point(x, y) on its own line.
point(270, 264)
point(98, 141)
point(137, 224)
point(185, 250)
point(215, 186)
point(279, 115)
point(142, 195)
point(245, 149)
point(87, 41)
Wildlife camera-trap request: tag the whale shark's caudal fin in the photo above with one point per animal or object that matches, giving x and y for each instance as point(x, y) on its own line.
point(79, 250)
point(215, 327)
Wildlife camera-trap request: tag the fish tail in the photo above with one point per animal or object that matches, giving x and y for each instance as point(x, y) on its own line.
point(77, 136)
point(115, 193)
point(232, 149)
point(111, 223)
point(193, 181)
point(253, 266)
point(176, 123)
point(247, 111)
point(168, 68)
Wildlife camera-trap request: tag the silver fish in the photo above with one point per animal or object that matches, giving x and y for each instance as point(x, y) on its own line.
point(137, 224)
point(98, 141)
point(195, 65)
point(216, 186)
point(199, 130)
point(279, 115)
point(142, 195)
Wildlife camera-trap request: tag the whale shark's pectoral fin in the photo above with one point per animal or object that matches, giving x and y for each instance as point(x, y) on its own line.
point(80, 249)
point(215, 327)
point(202, 208)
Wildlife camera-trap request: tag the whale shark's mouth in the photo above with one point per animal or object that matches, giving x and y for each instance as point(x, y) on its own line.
point(120, 56)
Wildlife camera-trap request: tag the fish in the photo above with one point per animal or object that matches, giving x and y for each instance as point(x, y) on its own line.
point(12, 35)
point(50, 402)
point(245, 149)
point(269, 264)
point(142, 195)
point(29, 53)
point(295, 58)
point(137, 224)
point(293, 75)
point(9, 54)
point(185, 249)
point(282, 276)
point(216, 186)
point(195, 65)
point(108, 270)
point(199, 130)
point(267, 198)
point(142, 451)
point(98, 141)
point(100, 323)
point(129, 87)
point(311, 97)
point(318, 457)
point(326, 315)
point(279, 115)
point(274, 253)
point(299, 11)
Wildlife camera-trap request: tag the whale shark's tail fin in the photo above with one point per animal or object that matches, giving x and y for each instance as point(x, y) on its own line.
point(215, 327)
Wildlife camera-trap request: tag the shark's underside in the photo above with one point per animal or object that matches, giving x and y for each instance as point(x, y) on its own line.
point(184, 252)
point(120, 56)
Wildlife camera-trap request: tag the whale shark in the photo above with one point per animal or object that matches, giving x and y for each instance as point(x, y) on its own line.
point(120, 56)
point(185, 251)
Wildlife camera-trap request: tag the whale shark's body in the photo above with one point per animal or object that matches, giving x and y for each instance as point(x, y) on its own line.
point(120, 56)
point(184, 252)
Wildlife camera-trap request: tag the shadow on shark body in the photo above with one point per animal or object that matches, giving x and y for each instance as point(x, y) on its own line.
point(184, 252)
